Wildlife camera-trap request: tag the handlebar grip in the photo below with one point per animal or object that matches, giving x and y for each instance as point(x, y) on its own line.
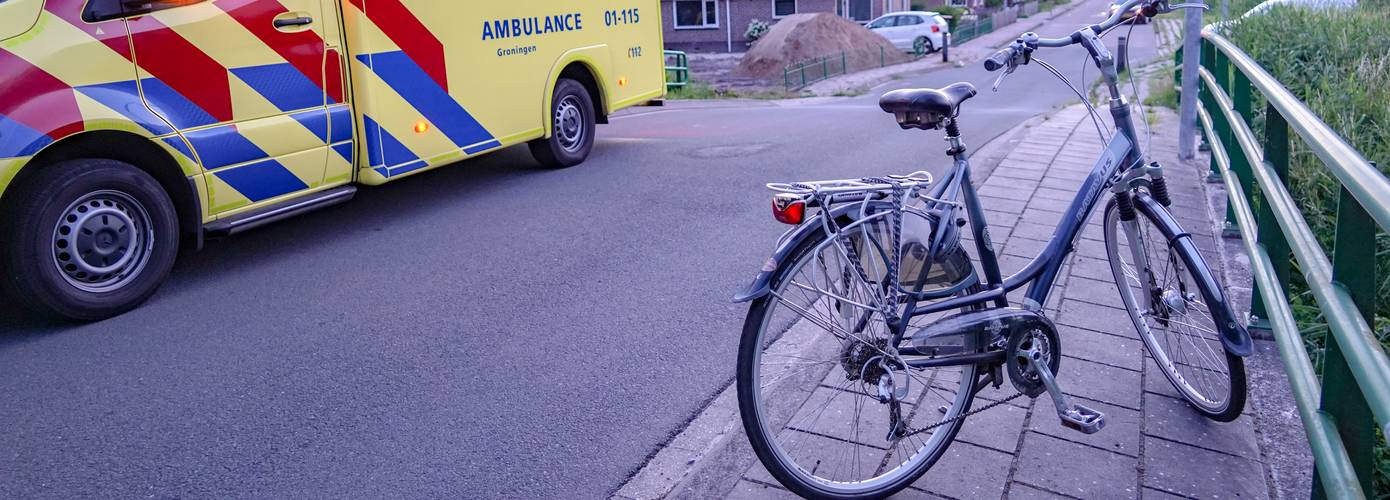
point(999, 59)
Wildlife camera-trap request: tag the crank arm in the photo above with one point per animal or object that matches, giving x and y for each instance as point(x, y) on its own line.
point(1074, 416)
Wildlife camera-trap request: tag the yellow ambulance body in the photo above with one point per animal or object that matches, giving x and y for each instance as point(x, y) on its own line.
point(130, 128)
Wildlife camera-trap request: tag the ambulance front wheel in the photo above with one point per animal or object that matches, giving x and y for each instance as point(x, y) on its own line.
point(86, 239)
point(572, 127)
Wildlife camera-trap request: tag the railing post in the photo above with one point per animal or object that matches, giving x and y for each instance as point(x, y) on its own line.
point(1239, 163)
point(1276, 153)
point(1207, 59)
point(1354, 268)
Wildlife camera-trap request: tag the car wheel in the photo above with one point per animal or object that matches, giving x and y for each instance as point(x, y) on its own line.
point(87, 239)
point(923, 45)
point(572, 124)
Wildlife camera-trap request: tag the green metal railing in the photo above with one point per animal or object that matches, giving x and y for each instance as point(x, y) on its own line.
point(1341, 411)
point(677, 69)
point(811, 71)
point(965, 32)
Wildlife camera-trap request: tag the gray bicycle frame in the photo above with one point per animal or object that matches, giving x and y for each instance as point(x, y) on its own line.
point(1119, 156)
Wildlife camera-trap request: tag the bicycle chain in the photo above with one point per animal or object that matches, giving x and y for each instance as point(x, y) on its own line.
point(913, 432)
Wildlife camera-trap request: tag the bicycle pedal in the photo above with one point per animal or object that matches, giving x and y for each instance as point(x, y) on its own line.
point(1083, 419)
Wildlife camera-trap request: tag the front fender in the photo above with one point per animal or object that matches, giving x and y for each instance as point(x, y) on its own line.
point(762, 283)
point(1234, 337)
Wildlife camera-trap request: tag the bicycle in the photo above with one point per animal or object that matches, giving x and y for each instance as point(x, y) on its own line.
point(871, 309)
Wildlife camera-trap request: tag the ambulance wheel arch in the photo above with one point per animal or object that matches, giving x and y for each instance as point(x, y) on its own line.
point(115, 169)
point(574, 78)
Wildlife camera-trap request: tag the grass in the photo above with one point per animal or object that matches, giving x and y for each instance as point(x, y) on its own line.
point(1339, 65)
point(702, 90)
point(1162, 92)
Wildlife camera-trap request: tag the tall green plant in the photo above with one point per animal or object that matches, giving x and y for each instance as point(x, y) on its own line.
point(1338, 62)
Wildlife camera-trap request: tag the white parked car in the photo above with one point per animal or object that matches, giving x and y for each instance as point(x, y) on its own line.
point(912, 31)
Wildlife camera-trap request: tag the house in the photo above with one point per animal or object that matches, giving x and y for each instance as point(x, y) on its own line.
point(719, 25)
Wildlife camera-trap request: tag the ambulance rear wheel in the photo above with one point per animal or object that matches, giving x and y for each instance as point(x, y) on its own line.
point(572, 127)
point(86, 240)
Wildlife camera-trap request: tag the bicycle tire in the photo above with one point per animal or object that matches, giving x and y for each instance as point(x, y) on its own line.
point(761, 434)
point(1164, 354)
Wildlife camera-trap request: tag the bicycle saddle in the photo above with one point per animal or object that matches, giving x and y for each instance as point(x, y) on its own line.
point(926, 108)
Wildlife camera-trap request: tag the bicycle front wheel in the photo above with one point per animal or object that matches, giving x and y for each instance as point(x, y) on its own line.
point(810, 377)
point(1165, 301)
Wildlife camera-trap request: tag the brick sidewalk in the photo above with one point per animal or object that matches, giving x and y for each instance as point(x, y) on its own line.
point(1153, 445)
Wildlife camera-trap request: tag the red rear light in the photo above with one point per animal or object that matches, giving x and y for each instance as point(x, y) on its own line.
point(935, 28)
point(788, 208)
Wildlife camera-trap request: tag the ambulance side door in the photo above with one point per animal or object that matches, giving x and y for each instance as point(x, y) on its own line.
point(250, 84)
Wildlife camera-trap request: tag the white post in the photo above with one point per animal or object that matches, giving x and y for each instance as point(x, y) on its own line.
point(1191, 60)
point(729, 24)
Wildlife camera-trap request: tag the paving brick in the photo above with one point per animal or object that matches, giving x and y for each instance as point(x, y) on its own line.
point(1003, 204)
point(1048, 204)
point(1020, 491)
point(1154, 380)
point(967, 471)
point(1102, 348)
point(1120, 435)
point(996, 428)
point(1033, 231)
point(1030, 174)
point(998, 191)
point(1024, 247)
point(1043, 217)
point(1076, 469)
point(1175, 420)
point(748, 490)
point(1000, 219)
point(1100, 382)
point(1097, 318)
point(1056, 194)
point(1194, 472)
point(1096, 269)
point(1098, 292)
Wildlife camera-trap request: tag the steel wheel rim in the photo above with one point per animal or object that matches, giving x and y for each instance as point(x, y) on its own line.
point(102, 241)
point(930, 449)
point(569, 123)
point(1172, 369)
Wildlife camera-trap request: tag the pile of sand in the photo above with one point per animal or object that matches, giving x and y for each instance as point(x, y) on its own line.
point(801, 37)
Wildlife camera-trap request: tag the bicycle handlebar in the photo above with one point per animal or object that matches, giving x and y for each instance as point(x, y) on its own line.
point(1008, 56)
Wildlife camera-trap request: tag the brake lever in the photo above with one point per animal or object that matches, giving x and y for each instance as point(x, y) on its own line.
point(1190, 6)
point(1000, 80)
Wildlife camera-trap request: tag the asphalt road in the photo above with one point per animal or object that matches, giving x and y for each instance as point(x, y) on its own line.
point(486, 330)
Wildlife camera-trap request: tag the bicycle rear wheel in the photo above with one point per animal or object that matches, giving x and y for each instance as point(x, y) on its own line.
point(808, 380)
point(1172, 319)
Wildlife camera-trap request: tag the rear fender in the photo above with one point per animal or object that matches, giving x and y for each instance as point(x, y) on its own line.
point(762, 283)
point(1234, 337)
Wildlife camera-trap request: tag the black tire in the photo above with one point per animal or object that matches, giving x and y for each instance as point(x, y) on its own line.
point(573, 122)
point(120, 205)
point(747, 381)
point(1233, 404)
point(927, 46)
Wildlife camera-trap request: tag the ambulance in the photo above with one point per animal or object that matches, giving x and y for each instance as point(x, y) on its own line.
point(130, 129)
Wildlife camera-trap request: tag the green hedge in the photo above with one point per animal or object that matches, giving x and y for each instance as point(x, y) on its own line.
point(1338, 62)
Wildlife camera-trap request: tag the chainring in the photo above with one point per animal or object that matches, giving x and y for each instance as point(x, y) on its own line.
point(1022, 343)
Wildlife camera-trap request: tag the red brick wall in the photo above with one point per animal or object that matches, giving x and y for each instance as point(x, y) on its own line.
point(741, 12)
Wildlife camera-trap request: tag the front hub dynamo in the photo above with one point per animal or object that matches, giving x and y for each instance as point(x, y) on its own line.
point(1028, 346)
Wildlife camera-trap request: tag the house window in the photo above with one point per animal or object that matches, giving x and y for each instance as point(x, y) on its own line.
point(859, 10)
point(783, 8)
point(696, 13)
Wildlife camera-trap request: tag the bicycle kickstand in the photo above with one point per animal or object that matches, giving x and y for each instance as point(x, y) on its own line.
point(1075, 416)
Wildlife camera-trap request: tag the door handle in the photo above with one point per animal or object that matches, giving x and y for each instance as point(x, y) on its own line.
point(293, 21)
